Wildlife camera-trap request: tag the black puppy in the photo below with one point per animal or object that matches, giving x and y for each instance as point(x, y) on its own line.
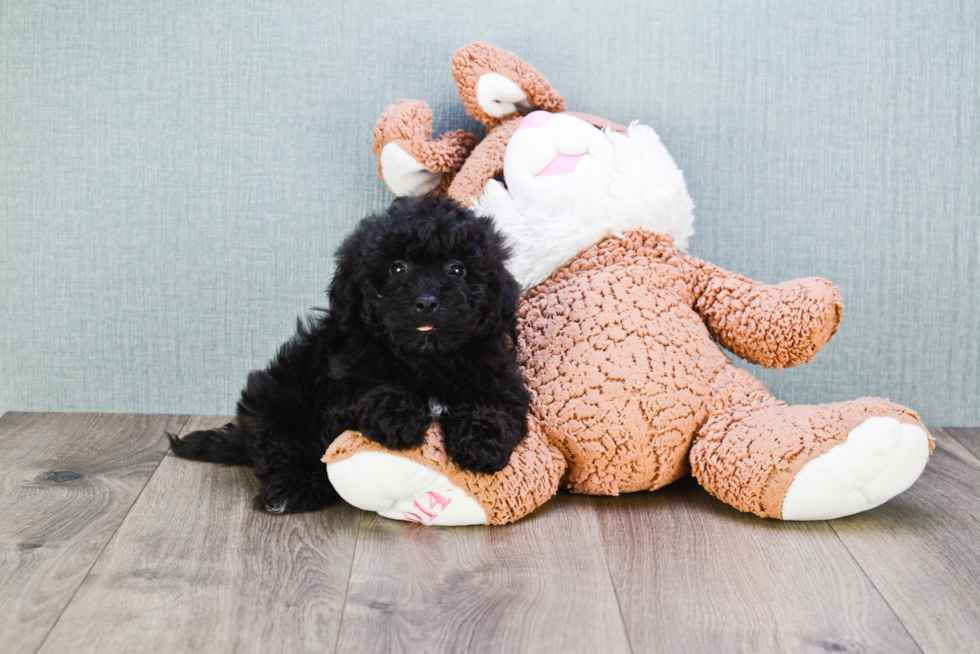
point(420, 327)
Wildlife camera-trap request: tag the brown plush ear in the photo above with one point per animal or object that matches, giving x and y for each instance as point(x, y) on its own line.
point(495, 84)
point(409, 161)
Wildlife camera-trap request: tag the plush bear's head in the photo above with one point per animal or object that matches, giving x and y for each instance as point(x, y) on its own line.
point(555, 182)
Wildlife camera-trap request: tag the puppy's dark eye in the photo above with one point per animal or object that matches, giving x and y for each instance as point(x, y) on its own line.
point(456, 269)
point(398, 268)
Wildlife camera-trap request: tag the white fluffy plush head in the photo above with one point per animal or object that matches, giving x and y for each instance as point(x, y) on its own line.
point(569, 185)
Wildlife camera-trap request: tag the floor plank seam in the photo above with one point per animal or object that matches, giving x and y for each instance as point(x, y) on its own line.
point(605, 558)
point(350, 572)
point(95, 561)
point(884, 599)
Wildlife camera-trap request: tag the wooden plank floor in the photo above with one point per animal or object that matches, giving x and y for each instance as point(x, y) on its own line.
point(108, 545)
point(66, 483)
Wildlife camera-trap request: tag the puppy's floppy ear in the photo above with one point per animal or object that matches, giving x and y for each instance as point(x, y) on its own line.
point(503, 293)
point(344, 292)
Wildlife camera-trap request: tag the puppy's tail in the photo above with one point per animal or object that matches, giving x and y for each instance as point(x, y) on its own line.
point(224, 445)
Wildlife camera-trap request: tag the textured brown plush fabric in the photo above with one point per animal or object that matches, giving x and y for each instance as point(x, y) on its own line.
point(618, 364)
point(774, 326)
point(408, 123)
point(752, 446)
point(624, 375)
point(530, 479)
point(486, 162)
point(477, 59)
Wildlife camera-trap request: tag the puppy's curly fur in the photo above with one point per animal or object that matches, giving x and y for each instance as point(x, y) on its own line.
point(420, 326)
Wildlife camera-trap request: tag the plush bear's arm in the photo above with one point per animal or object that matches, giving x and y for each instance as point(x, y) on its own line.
point(776, 326)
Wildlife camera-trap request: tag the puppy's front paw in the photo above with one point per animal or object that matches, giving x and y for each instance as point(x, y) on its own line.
point(393, 417)
point(478, 440)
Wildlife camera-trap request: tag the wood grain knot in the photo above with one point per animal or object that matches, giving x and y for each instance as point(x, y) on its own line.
point(61, 476)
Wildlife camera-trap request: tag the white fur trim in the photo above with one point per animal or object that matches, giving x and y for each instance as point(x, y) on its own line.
point(436, 408)
point(498, 95)
point(404, 175)
point(623, 182)
point(880, 458)
point(397, 488)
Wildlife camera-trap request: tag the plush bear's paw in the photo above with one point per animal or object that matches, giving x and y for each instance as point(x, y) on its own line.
point(398, 488)
point(880, 458)
point(478, 440)
point(820, 313)
point(393, 417)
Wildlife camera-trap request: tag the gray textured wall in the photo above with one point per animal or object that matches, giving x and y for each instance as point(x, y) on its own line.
point(175, 176)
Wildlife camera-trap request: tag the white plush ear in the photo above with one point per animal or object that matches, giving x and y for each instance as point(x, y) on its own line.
point(404, 175)
point(499, 96)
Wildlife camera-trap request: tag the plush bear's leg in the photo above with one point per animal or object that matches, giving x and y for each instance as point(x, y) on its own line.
point(806, 462)
point(423, 485)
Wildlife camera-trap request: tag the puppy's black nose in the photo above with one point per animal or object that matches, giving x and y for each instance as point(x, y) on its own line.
point(426, 303)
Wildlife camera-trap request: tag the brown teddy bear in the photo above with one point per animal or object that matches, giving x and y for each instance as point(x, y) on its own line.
point(619, 330)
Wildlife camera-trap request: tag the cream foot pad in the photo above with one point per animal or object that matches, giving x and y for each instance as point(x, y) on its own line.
point(880, 458)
